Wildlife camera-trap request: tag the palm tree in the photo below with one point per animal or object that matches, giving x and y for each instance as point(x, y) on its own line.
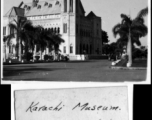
point(4, 48)
point(46, 38)
point(130, 30)
point(53, 39)
point(57, 40)
point(23, 29)
point(6, 40)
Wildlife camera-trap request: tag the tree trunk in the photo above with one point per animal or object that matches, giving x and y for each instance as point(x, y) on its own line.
point(129, 50)
point(40, 53)
point(47, 50)
point(35, 48)
point(20, 53)
point(4, 52)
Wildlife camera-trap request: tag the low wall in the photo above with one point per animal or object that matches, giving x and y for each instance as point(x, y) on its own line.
point(87, 57)
point(78, 57)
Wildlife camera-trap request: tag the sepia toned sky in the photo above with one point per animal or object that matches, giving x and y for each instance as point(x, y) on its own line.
point(108, 10)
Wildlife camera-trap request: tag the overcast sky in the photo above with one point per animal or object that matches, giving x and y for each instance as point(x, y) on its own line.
point(108, 10)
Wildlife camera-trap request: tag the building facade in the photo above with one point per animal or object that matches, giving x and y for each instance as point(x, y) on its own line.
point(82, 34)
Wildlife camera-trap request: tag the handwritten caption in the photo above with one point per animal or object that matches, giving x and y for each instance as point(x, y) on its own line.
point(35, 107)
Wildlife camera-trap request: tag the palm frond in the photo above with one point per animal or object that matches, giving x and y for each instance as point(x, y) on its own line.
point(126, 20)
point(139, 20)
point(139, 29)
point(135, 40)
point(116, 29)
point(12, 26)
point(143, 13)
point(9, 37)
point(5, 38)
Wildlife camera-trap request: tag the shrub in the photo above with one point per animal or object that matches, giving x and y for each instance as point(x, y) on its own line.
point(28, 56)
point(50, 57)
point(37, 57)
point(10, 56)
point(46, 57)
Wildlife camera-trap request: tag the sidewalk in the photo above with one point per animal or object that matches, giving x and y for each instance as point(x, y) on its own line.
point(128, 68)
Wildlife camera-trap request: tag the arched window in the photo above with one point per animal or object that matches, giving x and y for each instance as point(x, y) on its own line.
point(71, 49)
point(80, 48)
point(57, 3)
point(12, 30)
point(4, 30)
point(77, 28)
point(25, 6)
point(64, 27)
point(28, 8)
point(46, 3)
point(90, 49)
point(77, 6)
point(81, 32)
point(39, 7)
point(87, 49)
point(71, 5)
point(65, 5)
point(84, 50)
point(50, 5)
point(84, 33)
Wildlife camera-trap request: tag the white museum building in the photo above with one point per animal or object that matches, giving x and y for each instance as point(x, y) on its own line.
point(67, 17)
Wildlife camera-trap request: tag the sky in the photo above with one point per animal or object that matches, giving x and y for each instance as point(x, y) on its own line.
point(108, 10)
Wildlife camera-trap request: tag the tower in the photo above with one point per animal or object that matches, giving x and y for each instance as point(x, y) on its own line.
point(68, 21)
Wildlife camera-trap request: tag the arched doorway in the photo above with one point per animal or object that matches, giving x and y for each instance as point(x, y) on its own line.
point(90, 49)
point(84, 49)
point(80, 48)
point(87, 49)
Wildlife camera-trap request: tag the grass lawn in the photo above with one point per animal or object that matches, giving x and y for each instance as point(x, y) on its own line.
point(92, 70)
point(139, 63)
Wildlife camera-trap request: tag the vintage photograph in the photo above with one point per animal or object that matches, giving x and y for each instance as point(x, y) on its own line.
point(75, 40)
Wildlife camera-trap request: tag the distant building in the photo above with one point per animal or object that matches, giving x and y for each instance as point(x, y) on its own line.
point(82, 34)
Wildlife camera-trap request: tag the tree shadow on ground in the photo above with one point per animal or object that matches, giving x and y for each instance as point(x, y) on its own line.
point(139, 63)
point(20, 70)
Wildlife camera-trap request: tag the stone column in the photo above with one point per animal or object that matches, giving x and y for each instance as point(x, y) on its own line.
point(20, 53)
point(34, 52)
point(14, 51)
point(4, 52)
point(40, 54)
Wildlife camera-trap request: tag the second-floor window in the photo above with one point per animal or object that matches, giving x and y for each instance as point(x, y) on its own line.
point(77, 29)
point(64, 49)
point(65, 28)
point(97, 32)
point(71, 5)
point(12, 31)
point(65, 5)
point(71, 49)
point(4, 30)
